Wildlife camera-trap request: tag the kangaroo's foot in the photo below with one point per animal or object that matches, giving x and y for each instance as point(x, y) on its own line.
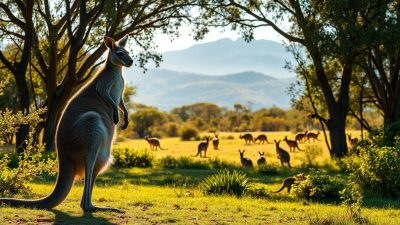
point(92, 208)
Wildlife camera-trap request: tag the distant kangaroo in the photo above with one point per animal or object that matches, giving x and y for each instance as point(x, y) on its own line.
point(301, 136)
point(154, 143)
point(283, 155)
point(352, 141)
point(246, 162)
point(215, 141)
point(85, 131)
point(203, 146)
point(248, 138)
point(313, 136)
point(262, 138)
point(288, 182)
point(261, 159)
point(292, 144)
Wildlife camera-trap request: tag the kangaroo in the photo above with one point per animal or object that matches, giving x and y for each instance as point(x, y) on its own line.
point(288, 182)
point(283, 155)
point(248, 138)
point(313, 136)
point(261, 159)
point(203, 146)
point(262, 138)
point(85, 131)
point(154, 143)
point(301, 136)
point(353, 141)
point(292, 144)
point(215, 141)
point(246, 162)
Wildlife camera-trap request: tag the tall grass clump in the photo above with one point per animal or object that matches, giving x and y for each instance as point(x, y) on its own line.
point(126, 157)
point(229, 182)
point(182, 162)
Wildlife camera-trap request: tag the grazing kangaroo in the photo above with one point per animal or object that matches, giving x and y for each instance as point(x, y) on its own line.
point(283, 155)
point(353, 141)
point(85, 131)
point(313, 136)
point(248, 138)
point(301, 136)
point(203, 146)
point(292, 144)
point(215, 141)
point(288, 182)
point(246, 162)
point(261, 159)
point(262, 138)
point(154, 143)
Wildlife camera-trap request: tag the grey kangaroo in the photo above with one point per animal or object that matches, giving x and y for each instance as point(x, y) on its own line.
point(301, 137)
point(153, 142)
point(292, 144)
point(283, 155)
point(261, 159)
point(313, 136)
point(215, 141)
point(352, 140)
point(85, 131)
point(203, 146)
point(248, 138)
point(288, 182)
point(246, 162)
point(262, 138)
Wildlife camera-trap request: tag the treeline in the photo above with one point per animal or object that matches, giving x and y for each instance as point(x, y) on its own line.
point(209, 117)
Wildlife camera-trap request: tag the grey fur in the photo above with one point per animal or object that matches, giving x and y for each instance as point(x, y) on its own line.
point(283, 155)
point(246, 162)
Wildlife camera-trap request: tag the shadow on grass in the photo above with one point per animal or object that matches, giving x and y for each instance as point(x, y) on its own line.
point(86, 218)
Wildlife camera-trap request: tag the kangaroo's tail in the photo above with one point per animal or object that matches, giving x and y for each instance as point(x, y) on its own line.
point(300, 149)
point(279, 190)
point(269, 142)
point(65, 180)
point(162, 148)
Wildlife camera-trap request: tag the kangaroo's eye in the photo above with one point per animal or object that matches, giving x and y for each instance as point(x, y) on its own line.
point(120, 54)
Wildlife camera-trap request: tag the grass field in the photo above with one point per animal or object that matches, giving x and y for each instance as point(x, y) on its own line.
point(156, 196)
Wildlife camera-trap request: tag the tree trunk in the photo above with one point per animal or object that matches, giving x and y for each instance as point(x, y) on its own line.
point(23, 95)
point(337, 133)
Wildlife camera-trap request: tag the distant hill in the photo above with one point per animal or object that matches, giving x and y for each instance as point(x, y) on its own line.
point(167, 89)
point(226, 57)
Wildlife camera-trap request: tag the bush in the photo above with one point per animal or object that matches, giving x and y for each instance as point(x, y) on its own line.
point(267, 170)
point(128, 157)
point(257, 190)
point(376, 168)
point(188, 133)
point(317, 187)
point(182, 162)
point(225, 182)
point(311, 152)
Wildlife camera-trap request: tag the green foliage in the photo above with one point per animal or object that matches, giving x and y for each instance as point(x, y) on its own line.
point(317, 187)
point(376, 168)
point(352, 199)
point(126, 157)
point(184, 162)
point(257, 190)
point(229, 182)
point(311, 152)
point(189, 133)
point(267, 170)
point(143, 120)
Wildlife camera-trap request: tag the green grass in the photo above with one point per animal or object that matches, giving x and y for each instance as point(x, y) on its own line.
point(158, 196)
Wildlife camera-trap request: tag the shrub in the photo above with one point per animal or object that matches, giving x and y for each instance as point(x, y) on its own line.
point(317, 187)
point(257, 190)
point(128, 157)
point(225, 182)
point(376, 169)
point(267, 170)
point(311, 152)
point(182, 162)
point(188, 133)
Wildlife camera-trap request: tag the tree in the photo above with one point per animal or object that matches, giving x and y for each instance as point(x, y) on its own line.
point(327, 30)
point(144, 119)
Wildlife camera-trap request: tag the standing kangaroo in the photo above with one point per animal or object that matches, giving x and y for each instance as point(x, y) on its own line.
point(353, 141)
point(215, 141)
point(288, 182)
point(262, 138)
point(261, 159)
point(203, 146)
point(246, 162)
point(154, 143)
point(292, 144)
point(248, 138)
point(301, 136)
point(85, 131)
point(313, 136)
point(283, 155)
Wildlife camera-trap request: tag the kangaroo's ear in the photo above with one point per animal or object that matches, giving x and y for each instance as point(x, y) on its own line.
point(123, 41)
point(109, 42)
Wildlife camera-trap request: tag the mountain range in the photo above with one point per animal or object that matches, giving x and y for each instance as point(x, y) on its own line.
point(223, 72)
